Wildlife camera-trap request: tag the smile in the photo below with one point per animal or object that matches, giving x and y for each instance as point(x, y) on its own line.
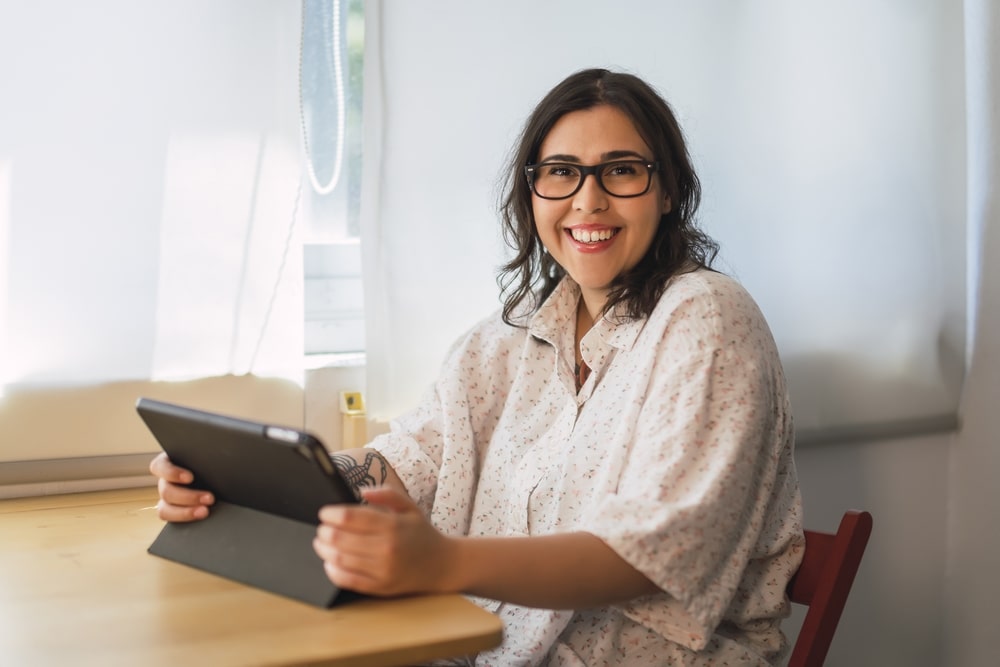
point(595, 236)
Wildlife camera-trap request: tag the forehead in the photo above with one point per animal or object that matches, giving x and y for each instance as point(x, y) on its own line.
point(591, 133)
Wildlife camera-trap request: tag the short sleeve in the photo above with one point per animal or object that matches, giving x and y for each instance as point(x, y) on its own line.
point(435, 449)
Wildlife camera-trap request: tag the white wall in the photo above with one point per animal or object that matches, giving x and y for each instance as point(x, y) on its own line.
point(830, 143)
point(895, 613)
point(972, 583)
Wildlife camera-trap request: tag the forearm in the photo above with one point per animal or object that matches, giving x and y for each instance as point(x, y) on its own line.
point(363, 468)
point(569, 571)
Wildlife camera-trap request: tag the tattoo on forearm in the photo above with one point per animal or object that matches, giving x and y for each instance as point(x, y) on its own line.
point(372, 472)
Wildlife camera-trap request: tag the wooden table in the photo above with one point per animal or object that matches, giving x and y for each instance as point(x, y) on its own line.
point(77, 587)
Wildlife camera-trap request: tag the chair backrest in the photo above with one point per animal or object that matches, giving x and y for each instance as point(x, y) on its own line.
point(822, 583)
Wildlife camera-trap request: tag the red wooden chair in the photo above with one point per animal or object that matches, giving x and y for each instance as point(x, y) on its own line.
point(822, 583)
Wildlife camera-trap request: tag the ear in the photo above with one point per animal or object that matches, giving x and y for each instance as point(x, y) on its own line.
point(667, 206)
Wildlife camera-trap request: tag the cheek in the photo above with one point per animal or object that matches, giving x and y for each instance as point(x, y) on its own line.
point(546, 217)
point(648, 233)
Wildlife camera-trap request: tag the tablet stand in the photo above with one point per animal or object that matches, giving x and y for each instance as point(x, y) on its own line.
point(263, 550)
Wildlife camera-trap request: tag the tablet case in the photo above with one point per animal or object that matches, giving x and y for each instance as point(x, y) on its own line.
point(269, 483)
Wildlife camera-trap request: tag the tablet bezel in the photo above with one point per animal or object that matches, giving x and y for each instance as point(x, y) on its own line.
point(277, 469)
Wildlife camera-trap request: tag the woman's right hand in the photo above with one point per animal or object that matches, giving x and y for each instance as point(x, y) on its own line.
point(178, 502)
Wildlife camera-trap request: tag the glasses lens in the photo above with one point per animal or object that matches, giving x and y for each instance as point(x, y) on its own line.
point(625, 179)
point(556, 180)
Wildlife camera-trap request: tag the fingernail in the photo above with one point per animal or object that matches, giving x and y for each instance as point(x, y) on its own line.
point(207, 499)
point(200, 512)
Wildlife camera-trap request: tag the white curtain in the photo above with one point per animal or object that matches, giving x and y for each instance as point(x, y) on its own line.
point(229, 297)
point(149, 166)
point(829, 138)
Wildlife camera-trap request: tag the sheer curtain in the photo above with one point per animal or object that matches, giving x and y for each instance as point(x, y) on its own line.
point(829, 139)
point(149, 173)
point(229, 296)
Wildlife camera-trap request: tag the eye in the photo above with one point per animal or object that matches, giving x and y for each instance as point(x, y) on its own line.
point(559, 171)
point(622, 169)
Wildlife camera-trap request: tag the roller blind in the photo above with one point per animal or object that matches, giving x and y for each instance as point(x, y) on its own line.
point(149, 167)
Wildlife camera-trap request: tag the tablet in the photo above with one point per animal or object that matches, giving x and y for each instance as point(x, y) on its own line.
point(275, 469)
point(269, 484)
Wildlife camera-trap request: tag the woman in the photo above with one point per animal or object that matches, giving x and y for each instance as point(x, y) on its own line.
point(606, 463)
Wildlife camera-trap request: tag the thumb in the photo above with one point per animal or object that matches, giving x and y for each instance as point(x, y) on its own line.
point(387, 498)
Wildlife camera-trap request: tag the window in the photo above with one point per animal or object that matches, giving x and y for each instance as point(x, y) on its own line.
point(330, 89)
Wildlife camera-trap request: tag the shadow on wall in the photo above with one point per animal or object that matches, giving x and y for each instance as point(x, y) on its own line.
point(838, 398)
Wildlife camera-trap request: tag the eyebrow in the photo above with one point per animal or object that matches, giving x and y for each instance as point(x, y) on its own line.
point(605, 157)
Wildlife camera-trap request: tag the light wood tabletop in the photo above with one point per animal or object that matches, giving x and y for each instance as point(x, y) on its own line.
point(77, 587)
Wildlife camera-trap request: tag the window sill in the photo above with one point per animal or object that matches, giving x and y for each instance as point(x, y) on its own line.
point(314, 362)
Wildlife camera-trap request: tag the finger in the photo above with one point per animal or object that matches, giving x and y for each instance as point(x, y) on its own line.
point(331, 542)
point(180, 513)
point(324, 549)
point(342, 558)
point(183, 496)
point(379, 498)
point(354, 518)
point(388, 498)
point(324, 543)
point(358, 582)
point(346, 558)
point(354, 571)
point(162, 467)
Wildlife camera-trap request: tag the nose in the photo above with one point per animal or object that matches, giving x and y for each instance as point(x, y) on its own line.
point(591, 197)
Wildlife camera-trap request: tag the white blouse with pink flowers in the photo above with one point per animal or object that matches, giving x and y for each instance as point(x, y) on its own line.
point(677, 452)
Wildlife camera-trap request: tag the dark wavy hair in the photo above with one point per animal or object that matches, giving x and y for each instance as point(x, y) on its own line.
point(678, 245)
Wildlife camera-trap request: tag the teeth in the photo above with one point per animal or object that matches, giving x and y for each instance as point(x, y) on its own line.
point(584, 236)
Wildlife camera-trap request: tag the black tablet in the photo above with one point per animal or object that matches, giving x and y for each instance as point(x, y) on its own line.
point(269, 483)
point(275, 469)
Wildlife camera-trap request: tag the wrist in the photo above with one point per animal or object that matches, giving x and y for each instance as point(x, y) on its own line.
point(454, 565)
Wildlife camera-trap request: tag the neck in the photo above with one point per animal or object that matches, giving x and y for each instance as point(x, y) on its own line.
point(584, 321)
point(592, 303)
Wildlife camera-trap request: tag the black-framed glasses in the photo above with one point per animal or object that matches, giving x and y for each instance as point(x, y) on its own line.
point(619, 178)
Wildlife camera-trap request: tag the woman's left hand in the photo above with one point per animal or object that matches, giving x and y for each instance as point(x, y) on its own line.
point(387, 547)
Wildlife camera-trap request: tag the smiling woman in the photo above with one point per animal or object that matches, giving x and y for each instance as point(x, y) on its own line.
point(576, 463)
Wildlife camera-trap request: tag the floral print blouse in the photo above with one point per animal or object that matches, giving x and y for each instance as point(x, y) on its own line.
point(677, 452)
